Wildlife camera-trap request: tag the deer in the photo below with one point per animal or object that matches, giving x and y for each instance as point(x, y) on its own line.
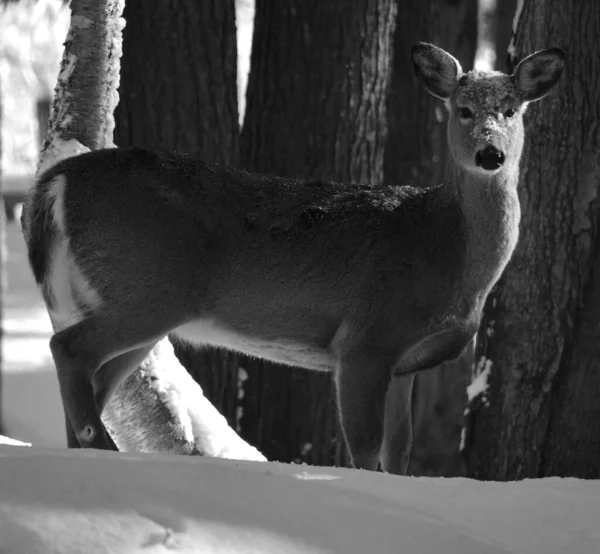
point(371, 282)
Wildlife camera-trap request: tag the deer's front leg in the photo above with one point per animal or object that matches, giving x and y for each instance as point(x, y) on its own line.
point(397, 434)
point(361, 388)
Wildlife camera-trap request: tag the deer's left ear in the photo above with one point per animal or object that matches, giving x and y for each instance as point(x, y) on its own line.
point(537, 74)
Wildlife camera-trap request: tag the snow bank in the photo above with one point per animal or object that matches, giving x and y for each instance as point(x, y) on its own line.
point(100, 502)
point(12, 442)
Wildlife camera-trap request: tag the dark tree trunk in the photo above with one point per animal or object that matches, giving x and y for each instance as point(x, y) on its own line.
point(316, 107)
point(540, 338)
point(415, 155)
point(178, 78)
point(416, 146)
point(503, 21)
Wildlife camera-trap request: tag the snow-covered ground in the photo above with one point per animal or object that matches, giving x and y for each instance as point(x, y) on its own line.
point(57, 501)
point(92, 502)
point(31, 408)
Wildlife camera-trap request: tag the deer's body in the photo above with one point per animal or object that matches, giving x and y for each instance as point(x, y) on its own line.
point(373, 282)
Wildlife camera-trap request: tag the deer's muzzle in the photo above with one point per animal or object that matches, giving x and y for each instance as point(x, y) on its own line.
point(490, 158)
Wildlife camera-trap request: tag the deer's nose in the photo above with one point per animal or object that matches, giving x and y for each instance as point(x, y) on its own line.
point(490, 158)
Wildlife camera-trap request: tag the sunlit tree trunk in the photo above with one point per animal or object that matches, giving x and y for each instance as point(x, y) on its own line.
point(539, 346)
point(316, 107)
point(415, 155)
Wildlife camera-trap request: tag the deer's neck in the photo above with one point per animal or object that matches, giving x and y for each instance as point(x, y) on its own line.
point(491, 212)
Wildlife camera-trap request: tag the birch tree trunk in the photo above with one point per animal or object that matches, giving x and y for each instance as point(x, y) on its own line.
point(316, 107)
point(539, 345)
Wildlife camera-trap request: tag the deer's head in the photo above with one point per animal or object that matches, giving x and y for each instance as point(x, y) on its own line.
point(485, 127)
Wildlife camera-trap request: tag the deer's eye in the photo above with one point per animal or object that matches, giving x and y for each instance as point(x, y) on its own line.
point(510, 113)
point(465, 113)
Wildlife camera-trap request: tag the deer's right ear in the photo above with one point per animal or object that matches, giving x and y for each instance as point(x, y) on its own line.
point(437, 70)
point(538, 73)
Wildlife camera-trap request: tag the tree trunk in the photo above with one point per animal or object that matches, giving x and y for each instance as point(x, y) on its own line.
point(503, 21)
point(315, 108)
point(88, 77)
point(178, 78)
point(539, 345)
point(415, 155)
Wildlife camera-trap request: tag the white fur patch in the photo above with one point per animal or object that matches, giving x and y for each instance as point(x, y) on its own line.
point(283, 351)
point(56, 194)
point(66, 282)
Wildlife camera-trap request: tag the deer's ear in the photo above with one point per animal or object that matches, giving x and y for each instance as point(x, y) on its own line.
point(537, 74)
point(436, 69)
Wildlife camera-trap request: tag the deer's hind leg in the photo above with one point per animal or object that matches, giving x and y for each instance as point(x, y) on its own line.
point(72, 441)
point(83, 353)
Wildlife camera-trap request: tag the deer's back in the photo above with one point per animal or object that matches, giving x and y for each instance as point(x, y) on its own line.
point(299, 256)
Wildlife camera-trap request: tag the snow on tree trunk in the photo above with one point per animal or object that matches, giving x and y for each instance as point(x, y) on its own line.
point(316, 107)
point(539, 414)
point(162, 409)
point(86, 92)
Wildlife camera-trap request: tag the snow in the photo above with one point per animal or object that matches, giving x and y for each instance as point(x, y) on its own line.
point(116, 52)
point(12, 442)
point(479, 385)
point(199, 419)
point(95, 502)
point(31, 407)
point(59, 149)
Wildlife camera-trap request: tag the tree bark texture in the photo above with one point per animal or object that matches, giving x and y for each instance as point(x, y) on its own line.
point(540, 336)
point(90, 72)
point(178, 78)
point(416, 155)
point(317, 89)
point(502, 26)
point(316, 107)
